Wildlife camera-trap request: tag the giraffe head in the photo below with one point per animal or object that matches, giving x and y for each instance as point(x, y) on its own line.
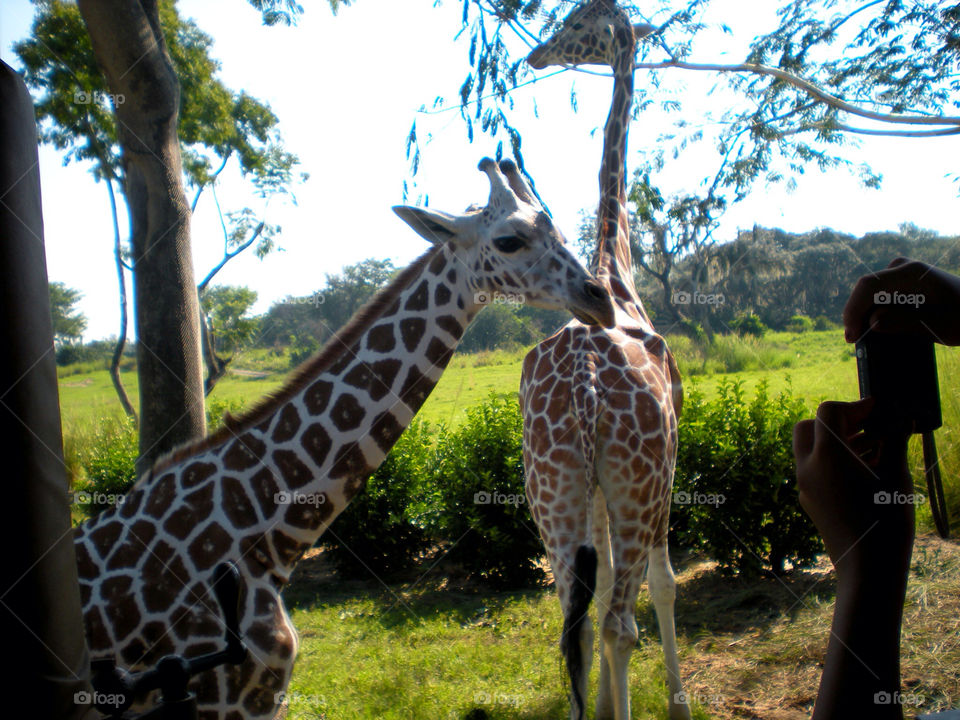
point(511, 248)
point(594, 33)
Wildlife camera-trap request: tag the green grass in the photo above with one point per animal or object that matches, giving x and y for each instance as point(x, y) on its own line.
point(748, 648)
point(819, 365)
point(429, 651)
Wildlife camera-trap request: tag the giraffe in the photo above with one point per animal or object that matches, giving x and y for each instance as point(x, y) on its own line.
point(600, 408)
point(262, 489)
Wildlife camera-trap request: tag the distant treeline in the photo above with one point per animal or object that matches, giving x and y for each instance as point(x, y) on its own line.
point(763, 278)
point(777, 275)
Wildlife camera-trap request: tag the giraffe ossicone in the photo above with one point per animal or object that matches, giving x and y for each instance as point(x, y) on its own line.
point(600, 409)
point(263, 488)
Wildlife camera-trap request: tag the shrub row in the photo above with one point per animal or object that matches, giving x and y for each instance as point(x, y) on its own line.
point(735, 495)
point(458, 493)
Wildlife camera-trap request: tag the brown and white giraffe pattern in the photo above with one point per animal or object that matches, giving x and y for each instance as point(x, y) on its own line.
point(263, 489)
point(600, 408)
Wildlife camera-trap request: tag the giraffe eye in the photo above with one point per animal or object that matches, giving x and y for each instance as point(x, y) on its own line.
point(508, 244)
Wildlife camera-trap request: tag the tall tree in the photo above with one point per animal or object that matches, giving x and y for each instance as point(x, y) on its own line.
point(227, 308)
point(68, 322)
point(156, 115)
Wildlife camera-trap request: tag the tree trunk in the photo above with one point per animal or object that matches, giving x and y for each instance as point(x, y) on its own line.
point(128, 43)
point(216, 365)
point(122, 337)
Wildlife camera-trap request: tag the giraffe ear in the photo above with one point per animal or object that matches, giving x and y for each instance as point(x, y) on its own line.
point(641, 30)
point(433, 225)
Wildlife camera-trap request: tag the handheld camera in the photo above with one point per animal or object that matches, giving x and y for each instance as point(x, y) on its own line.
point(900, 373)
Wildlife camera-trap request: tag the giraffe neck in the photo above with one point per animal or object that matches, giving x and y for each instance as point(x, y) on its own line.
point(282, 473)
point(612, 262)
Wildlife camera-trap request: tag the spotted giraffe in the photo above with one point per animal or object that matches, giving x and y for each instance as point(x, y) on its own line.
point(600, 408)
point(261, 490)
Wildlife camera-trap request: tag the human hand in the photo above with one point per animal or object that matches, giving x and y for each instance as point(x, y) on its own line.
point(856, 489)
point(934, 312)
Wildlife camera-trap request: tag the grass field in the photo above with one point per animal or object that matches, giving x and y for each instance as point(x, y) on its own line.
point(817, 364)
point(748, 649)
point(434, 648)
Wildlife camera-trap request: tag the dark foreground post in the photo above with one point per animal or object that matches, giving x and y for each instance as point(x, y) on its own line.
point(46, 664)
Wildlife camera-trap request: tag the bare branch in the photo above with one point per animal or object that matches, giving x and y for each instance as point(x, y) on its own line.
point(809, 88)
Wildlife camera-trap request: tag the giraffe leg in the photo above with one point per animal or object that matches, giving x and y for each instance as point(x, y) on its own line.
point(619, 634)
point(663, 591)
point(604, 594)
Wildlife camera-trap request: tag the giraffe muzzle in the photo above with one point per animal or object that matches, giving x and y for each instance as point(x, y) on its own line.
point(595, 306)
point(535, 58)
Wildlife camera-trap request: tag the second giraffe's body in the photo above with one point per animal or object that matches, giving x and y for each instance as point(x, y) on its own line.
point(600, 409)
point(262, 490)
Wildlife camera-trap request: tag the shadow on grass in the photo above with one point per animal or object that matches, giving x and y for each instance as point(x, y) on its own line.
point(546, 709)
point(710, 602)
point(401, 600)
point(707, 601)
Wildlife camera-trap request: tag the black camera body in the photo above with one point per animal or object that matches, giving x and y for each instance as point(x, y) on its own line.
point(900, 373)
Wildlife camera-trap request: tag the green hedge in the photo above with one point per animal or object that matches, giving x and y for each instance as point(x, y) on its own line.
point(381, 532)
point(735, 495)
point(458, 493)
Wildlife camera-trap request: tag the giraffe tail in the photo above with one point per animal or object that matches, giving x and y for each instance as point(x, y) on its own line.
point(584, 584)
point(584, 571)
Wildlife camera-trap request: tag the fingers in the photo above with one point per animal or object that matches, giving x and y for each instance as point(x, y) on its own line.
point(871, 290)
point(803, 435)
point(858, 304)
point(836, 422)
point(840, 420)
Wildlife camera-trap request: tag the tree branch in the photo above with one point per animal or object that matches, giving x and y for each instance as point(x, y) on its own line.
point(213, 179)
point(122, 336)
point(228, 256)
point(807, 87)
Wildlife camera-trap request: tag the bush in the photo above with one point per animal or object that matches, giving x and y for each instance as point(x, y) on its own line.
point(748, 323)
point(302, 348)
point(479, 506)
point(380, 531)
point(218, 408)
point(107, 456)
point(735, 492)
point(691, 329)
point(822, 322)
point(799, 324)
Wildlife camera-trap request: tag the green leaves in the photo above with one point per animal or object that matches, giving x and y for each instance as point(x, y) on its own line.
point(215, 124)
point(68, 322)
point(227, 308)
point(734, 495)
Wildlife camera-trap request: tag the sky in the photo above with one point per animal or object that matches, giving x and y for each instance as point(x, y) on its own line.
point(347, 89)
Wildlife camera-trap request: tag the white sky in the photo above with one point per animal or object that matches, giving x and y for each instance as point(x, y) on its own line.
point(346, 90)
